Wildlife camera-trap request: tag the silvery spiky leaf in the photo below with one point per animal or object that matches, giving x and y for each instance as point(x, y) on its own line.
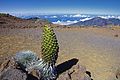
point(29, 61)
point(47, 71)
point(26, 58)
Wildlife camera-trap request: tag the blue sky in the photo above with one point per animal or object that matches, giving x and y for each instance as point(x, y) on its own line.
point(61, 6)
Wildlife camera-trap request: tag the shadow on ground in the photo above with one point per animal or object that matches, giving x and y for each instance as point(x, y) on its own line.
point(31, 77)
point(66, 65)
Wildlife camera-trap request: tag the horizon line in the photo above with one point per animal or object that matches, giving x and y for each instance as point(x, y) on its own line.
point(55, 13)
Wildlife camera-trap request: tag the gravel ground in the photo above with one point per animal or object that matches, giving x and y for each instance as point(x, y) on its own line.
point(96, 48)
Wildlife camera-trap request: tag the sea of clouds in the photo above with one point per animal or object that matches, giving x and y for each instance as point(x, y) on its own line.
point(81, 18)
point(67, 19)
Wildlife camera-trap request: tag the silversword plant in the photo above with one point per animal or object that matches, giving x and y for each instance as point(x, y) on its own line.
point(28, 60)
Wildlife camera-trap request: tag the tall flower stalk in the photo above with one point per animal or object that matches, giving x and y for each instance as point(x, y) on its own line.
point(49, 46)
point(49, 51)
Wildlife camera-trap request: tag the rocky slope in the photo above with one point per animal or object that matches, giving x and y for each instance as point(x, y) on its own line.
point(9, 21)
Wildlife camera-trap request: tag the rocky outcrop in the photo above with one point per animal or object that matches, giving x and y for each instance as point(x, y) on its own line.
point(77, 72)
point(9, 70)
point(13, 74)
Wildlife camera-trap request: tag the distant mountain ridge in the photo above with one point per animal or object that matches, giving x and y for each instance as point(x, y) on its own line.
point(98, 21)
point(59, 19)
point(9, 21)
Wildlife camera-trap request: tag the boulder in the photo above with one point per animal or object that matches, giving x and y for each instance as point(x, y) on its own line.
point(9, 70)
point(13, 74)
point(77, 72)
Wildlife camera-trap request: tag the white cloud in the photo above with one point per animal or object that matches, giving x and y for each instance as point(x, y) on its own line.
point(85, 19)
point(118, 17)
point(79, 15)
point(71, 15)
point(53, 17)
point(58, 22)
point(46, 16)
point(104, 17)
point(107, 17)
point(65, 23)
point(65, 15)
